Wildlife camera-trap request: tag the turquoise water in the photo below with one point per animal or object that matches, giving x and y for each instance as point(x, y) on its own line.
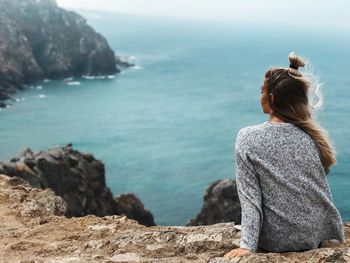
point(166, 129)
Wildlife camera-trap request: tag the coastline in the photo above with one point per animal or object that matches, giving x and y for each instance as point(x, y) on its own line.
point(51, 43)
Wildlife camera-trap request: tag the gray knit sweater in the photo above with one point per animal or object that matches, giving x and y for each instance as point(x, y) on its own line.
point(282, 186)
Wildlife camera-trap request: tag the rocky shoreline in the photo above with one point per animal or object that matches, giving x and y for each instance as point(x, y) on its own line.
point(79, 179)
point(39, 40)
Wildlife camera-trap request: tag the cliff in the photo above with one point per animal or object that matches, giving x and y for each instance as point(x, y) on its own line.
point(78, 178)
point(33, 228)
point(40, 40)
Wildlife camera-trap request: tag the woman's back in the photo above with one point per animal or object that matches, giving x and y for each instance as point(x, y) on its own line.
point(283, 190)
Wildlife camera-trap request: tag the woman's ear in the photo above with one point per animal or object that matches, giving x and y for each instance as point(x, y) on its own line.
point(272, 98)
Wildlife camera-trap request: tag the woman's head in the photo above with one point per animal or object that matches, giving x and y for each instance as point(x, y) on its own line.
point(285, 91)
point(286, 94)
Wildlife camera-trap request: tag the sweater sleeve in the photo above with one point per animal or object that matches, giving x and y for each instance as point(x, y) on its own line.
point(250, 197)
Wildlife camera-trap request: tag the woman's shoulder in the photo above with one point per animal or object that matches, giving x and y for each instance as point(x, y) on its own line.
point(249, 131)
point(249, 134)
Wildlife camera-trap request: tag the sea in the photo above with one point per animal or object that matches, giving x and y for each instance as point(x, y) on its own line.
point(165, 128)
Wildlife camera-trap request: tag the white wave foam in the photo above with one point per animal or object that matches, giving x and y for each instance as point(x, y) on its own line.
point(88, 77)
point(125, 57)
point(98, 77)
point(39, 87)
point(42, 96)
point(73, 83)
point(137, 67)
point(46, 80)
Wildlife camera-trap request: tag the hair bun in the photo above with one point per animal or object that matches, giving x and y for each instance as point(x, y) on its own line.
point(295, 61)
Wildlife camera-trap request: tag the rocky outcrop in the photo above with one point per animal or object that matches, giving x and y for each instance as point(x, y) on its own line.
point(221, 204)
point(32, 229)
point(131, 206)
point(78, 178)
point(40, 40)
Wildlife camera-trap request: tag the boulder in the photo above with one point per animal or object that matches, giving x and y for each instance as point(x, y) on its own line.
point(221, 204)
point(131, 206)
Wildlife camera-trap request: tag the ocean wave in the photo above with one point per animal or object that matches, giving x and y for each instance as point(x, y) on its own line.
point(73, 83)
point(39, 87)
point(19, 99)
point(98, 77)
point(46, 80)
point(42, 96)
point(126, 58)
point(88, 77)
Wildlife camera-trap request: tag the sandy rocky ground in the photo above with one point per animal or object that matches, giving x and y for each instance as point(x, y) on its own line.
point(33, 229)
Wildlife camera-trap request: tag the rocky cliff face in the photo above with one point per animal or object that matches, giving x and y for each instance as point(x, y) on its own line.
point(78, 178)
point(40, 40)
point(33, 228)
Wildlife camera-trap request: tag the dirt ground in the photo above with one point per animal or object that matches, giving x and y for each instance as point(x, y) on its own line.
point(33, 229)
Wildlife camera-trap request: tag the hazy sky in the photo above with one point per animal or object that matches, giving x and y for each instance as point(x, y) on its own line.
point(311, 13)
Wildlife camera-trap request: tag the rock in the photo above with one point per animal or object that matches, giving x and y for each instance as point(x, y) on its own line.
point(40, 40)
point(221, 204)
point(84, 189)
point(78, 178)
point(20, 169)
point(30, 202)
point(47, 236)
point(131, 206)
point(23, 155)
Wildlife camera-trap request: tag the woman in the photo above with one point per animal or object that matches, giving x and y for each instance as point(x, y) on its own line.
point(281, 168)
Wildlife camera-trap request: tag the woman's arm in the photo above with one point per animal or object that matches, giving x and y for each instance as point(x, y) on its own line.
point(250, 197)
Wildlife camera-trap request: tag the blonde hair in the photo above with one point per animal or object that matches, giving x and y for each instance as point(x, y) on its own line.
point(296, 97)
